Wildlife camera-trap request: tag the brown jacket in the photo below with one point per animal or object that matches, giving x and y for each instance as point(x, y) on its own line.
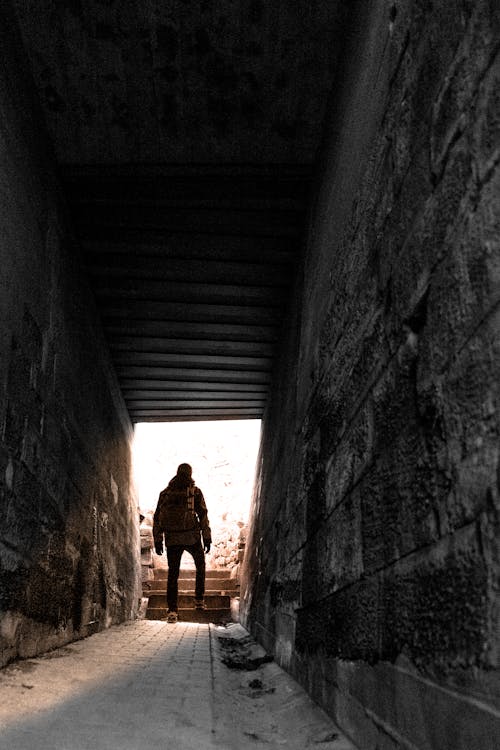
point(181, 514)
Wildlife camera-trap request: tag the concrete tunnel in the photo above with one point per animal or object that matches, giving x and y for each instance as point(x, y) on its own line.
point(278, 211)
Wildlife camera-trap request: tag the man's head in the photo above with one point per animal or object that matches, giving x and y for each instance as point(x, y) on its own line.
point(184, 470)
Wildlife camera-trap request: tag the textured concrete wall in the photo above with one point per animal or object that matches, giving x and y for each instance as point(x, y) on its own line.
point(373, 562)
point(69, 531)
point(220, 81)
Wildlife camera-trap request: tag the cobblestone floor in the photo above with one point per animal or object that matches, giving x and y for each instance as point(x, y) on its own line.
point(149, 684)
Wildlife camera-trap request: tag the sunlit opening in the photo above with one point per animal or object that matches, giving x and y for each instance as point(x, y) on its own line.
point(223, 456)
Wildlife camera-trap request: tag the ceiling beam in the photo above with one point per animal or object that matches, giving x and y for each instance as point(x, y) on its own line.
point(189, 330)
point(149, 344)
point(183, 246)
point(166, 374)
point(145, 404)
point(196, 271)
point(186, 311)
point(140, 387)
point(196, 361)
point(219, 396)
point(194, 414)
point(225, 220)
point(152, 290)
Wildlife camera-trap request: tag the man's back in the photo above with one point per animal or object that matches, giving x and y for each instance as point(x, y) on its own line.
point(181, 513)
point(181, 518)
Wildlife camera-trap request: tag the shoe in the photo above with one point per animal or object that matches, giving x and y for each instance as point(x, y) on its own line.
point(172, 617)
point(199, 604)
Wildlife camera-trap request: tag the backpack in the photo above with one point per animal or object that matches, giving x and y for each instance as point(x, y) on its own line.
point(176, 517)
point(177, 510)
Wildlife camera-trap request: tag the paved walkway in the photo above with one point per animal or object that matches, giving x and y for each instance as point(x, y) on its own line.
point(147, 684)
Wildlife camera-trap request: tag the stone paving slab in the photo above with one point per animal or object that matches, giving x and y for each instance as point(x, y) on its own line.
point(151, 684)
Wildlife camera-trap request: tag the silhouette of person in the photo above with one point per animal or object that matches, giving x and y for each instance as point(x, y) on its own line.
point(181, 521)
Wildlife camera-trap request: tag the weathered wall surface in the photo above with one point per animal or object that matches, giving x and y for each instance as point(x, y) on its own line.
point(69, 531)
point(373, 562)
point(223, 81)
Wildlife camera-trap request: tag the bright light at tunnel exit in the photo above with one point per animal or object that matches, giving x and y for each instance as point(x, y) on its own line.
point(223, 455)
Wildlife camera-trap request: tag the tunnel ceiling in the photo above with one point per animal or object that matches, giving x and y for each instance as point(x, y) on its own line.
point(185, 135)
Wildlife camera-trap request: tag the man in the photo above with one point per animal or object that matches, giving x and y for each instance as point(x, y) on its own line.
point(180, 517)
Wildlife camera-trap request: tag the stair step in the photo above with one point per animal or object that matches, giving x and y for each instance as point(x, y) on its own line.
point(190, 595)
point(187, 601)
point(227, 584)
point(192, 615)
point(161, 573)
point(158, 588)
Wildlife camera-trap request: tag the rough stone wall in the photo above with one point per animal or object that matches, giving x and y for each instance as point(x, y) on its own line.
point(373, 559)
point(69, 534)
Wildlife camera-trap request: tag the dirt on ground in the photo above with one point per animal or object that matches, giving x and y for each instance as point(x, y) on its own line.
point(263, 706)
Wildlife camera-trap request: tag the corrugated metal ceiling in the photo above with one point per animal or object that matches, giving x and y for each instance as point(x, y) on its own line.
point(185, 135)
point(192, 270)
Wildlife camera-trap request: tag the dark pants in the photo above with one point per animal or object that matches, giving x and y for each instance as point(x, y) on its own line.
point(174, 554)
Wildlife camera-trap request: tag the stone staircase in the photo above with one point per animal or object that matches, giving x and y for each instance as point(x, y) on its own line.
point(221, 597)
